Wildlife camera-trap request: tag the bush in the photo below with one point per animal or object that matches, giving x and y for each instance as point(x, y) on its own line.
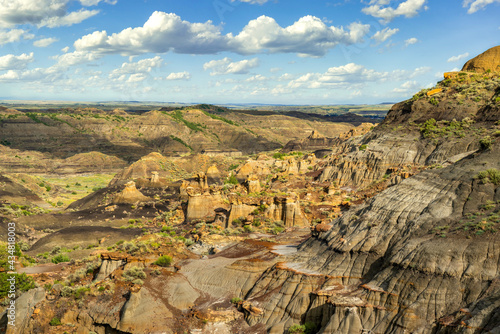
point(232, 180)
point(23, 283)
point(164, 261)
point(236, 300)
point(55, 322)
point(60, 258)
point(490, 175)
point(485, 143)
point(279, 155)
point(363, 147)
point(307, 328)
point(134, 273)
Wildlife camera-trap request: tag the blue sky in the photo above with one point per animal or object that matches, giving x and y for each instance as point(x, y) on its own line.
point(237, 51)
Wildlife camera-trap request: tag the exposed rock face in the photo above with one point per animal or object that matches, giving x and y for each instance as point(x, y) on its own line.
point(383, 268)
point(253, 184)
point(239, 210)
point(155, 177)
point(130, 195)
point(400, 142)
point(287, 209)
point(203, 206)
point(138, 312)
point(488, 60)
point(253, 167)
point(23, 310)
point(143, 168)
point(316, 141)
point(213, 171)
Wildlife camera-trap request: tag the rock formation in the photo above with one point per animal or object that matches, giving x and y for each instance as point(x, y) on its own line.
point(287, 209)
point(130, 195)
point(203, 206)
point(488, 60)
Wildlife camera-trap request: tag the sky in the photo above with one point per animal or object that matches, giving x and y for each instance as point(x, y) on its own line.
point(237, 51)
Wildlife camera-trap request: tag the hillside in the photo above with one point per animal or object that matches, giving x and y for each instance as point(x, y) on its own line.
point(129, 136)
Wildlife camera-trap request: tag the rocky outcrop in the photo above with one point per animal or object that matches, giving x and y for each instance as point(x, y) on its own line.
point(405, 142)
point(287, 209)
point(130, 195)
point(488, 60)
point(139, 311)
point(143, 168)
point(203, 206)
point(252, 184)
point(252, 167)
point(315, 141)
point(403, 262)
point(24, 307)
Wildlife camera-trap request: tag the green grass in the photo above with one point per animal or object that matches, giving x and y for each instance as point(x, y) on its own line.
point(219, 118)
point(179, 117)
point(177, 139)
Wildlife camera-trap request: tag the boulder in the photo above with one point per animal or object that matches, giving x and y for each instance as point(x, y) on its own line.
point(488, 60)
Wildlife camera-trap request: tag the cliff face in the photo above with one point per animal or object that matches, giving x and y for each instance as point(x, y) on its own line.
point(421, 256)
point(406, 261)
point(429, 129)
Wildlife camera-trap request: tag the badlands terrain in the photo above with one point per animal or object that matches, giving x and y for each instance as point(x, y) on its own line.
point(202, 219)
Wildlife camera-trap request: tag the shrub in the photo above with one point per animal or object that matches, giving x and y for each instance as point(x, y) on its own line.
point(60, 258)
point(232, 180)
point(485, 143)
point(55, 321)
point(236, 300)
point(164, 261)
point(279, 155)
point(490, 175)
point(23, 283)
point(363, 147)
point(307, 328)
point(134, 273)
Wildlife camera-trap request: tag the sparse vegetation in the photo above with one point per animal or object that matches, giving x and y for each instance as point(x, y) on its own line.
point(55, 321)
point(164, 261)
point(489, 176)
point(134, 273)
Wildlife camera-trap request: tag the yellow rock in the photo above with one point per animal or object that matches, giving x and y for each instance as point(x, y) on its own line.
point(450, 75)
point(434, 91)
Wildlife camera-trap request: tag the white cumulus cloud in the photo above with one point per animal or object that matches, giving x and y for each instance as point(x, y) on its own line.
point(165, 32)
point(411, 41)
point(408, 8)
point(44, 42)
point(458, 58)
point(96, 2)
point(13, 62)
point(475, 5)
point(384, 34)
point(50, 13)
point(75, 58)
point(14, 35)
point(179, 76)
point(227, 66)
point(308, 36)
